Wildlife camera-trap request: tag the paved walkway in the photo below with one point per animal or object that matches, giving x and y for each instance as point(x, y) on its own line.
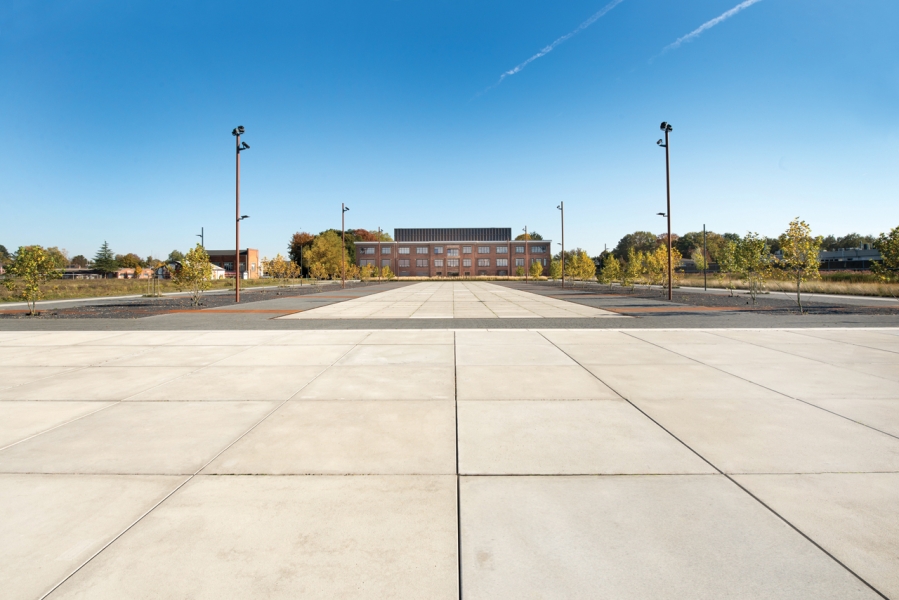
point(418, 464)
point(454, 300)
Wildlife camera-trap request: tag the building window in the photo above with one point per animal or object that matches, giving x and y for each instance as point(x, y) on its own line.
point(466, 249)
point(368, 250)
point(502, 250)
point(403, 250)
point(483, 249)
point(538, 249)
point(438, 262)
point(386, 250)
point(519, 262)
point(367, 261)
point(421, 262)
point(228, 266)
point(421, 249)
point(385, 262)
point(438, 249)
point(519, 249)
point(483, 262)
point(452, 252)
point(403, 262)
point(452, 262)
point(466, 262)
point(502, 262)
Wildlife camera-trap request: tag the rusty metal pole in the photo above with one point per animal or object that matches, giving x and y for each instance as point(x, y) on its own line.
point(237, 228)
point(379, 255)
point(668, 189)
point(562, 208)
point(343, 242)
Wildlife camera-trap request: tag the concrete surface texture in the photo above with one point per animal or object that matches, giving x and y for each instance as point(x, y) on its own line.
point(453, 300)
point(551, 463)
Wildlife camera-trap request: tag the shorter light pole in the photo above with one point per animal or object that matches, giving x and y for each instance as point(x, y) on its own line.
point(561, 207)
point(343, 210)
point(667, 128)
point(379, 255)
point(200, 235)
point(237, 132)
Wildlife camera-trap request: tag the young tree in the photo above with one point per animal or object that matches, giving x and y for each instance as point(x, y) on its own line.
point(367, 272)
point(519, 271)
point(281, 270)
point(753, 262)
point(611, 271)
point(386, 273)
point(888, 246)
point(317, 271)
point(194, 274)
point(727, 263)
point(800, 255)
point(29, 267)
point(699, 260)
point(632, 268)
point(104, 260)
point(555, 269)
point(327, 251)
point(584, 267)
point(80, 261)
point(536, 269)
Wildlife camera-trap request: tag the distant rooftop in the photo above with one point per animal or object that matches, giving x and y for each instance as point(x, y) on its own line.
point(454, 234)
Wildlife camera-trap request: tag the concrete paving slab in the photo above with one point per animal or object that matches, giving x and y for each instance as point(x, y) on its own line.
point(72, 356)
point(817, 381)
point(381, 382)
point(641, 353)
point(674, 382)
point(405, 437)
point(146, 338)
point(218, 384)
point(425, 336)
point(852, 516)
point(401, 354)
point(319, 338)
point(243, 337)
point(61, 338)
point(680, 336)
point(482, 337)
point(286, 537)
point(511, 354)
point(682, 536)
point(566, 437)
point(20, 420)
point(595, 337)
point(884, 370)
point(530, 383)
point(177, 356)
point(15, 376)
point(844, 353)
point(95, 383)
point(53, 523)
point(137, 438)
point(287, 356)
point(740, 354)
point(879, 413)
point(773, 435)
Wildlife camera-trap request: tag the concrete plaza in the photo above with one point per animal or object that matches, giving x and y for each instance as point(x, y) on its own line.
point(439, 463)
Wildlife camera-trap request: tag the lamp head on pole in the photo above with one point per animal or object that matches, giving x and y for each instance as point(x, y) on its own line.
point(346, 208)
point(662, 214)
point(243, 217)
point(666, 126)
point(238, 130)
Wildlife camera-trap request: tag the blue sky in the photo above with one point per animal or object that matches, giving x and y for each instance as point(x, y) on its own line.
point(117, 118)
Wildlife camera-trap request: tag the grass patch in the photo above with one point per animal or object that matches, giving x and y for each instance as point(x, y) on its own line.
point(839, 283)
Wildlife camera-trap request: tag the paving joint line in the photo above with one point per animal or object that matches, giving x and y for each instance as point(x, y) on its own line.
point(735, 482)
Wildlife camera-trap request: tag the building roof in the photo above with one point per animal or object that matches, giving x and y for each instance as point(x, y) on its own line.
point(454, 234)
point(227, 252)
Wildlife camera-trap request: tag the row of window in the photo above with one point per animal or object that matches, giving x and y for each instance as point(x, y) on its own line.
point(452, 251)
point(452, 262)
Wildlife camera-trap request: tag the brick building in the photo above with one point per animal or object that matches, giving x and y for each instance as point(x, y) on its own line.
point(454, 252)
point(250, 267)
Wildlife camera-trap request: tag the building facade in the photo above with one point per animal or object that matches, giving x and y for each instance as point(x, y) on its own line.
point(250, 267)
point(454, 252)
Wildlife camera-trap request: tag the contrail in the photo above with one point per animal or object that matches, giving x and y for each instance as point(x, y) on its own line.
point(709, 24)
point(564, 38)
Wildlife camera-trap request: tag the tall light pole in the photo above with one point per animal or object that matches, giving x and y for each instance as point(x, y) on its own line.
point(343, 209)
point(666, 127)
point(527, 266)
point(379, 255)
point(200, 235)
point(561, 207)
point(237, 132)
point(705, 262)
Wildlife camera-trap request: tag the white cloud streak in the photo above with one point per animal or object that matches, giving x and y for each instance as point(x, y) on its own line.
point(546, 50)
point(709, 24)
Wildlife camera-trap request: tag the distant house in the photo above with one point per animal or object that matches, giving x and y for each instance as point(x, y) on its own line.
point(250, 267)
